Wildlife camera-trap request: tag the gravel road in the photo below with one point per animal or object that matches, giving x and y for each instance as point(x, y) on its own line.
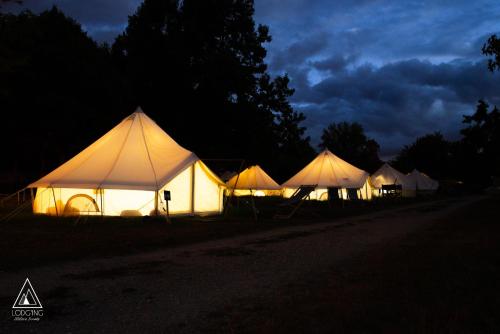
point(183, 289)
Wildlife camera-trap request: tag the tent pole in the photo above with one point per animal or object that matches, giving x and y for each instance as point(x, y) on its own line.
point(55, 203)
point(254, 209)
point(156, 202)
point(192, 187)
point(101, 191)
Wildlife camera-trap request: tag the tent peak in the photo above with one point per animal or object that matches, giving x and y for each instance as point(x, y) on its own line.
point(138, 110)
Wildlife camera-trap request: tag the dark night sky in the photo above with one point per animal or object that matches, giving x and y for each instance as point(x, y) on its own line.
point(400, 68)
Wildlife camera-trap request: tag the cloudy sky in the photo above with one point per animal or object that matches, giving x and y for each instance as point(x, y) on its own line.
point(400, 68)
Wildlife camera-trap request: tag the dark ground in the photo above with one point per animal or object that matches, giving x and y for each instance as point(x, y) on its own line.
point(441, 279)
point(32, 240)
point(430, 266)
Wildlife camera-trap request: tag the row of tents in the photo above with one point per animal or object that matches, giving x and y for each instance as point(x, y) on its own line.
point(329, 174)
point(129, 171)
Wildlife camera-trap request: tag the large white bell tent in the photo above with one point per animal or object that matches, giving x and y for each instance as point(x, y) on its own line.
point(125, 172)
point(387, 175)
point(329, 171)
point(253, 181)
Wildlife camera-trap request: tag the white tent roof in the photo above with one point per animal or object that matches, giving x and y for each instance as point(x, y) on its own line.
point(135, 154)
point(328, 170)
point(421, 181)
point(388, 175)
point(253, 178)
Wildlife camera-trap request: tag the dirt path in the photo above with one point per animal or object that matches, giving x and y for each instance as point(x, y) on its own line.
point(182, 289)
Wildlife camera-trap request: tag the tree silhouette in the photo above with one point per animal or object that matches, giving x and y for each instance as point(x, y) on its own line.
point(348, 141)
point(481, 141)
point(58, 92)
point(198, 68)
point(429, 154)
point(492, 48)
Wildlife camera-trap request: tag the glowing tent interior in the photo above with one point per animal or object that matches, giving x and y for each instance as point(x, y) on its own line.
point(421, 182)
point(329, 171)
point(253, 181)
point(125, 173)
point(387, 175)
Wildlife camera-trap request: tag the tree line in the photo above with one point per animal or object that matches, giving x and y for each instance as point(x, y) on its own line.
point(198, 69)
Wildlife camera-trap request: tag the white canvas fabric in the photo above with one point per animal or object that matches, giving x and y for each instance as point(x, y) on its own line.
point(387, 175)
point(253, 178)
point(328, 170)
point(136, 154)
point(125, 173)
point(420, 181)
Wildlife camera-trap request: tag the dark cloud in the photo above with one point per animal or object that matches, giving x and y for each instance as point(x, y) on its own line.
point(103, 19)
point(300, 50)
point(401, 68)
point(334, 63)
point(400, 101)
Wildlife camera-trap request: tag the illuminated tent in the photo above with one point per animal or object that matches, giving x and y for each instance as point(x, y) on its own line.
point(253, 181)
point(420, 181)
point(125, 173)
point(329, 171)
point(386, 175)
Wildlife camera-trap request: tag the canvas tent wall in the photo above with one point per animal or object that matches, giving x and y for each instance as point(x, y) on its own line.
point(387, 175)
point(421, 182)
point(329, 171)
point(253, 181)
point(125, 173)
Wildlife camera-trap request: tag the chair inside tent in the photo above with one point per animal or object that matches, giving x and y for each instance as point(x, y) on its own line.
point(125, 173)
point(330, 173)
point(253, 181)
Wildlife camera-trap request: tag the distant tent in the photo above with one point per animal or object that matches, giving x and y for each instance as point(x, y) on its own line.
point(253, 181)
point(421, 182)
point(125, 173)
point(329, 171)
point(387, 175)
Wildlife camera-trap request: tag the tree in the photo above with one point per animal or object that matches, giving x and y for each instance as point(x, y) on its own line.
point(198, 68)
point(430, 154)
point(293, 147)
point(481, 140)
point(348, 141)
point(492, 48)
point(58, 92)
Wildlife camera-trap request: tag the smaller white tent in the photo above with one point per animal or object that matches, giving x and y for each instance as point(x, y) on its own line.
point(329, 171)
point(421, 182)
point(253, 181)
point(387, 175)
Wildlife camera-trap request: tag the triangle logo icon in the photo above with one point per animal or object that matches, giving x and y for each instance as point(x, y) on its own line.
point(27, 297)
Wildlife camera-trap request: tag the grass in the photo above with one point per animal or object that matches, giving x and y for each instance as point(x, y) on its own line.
point(441, 279)
point(32, 240)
